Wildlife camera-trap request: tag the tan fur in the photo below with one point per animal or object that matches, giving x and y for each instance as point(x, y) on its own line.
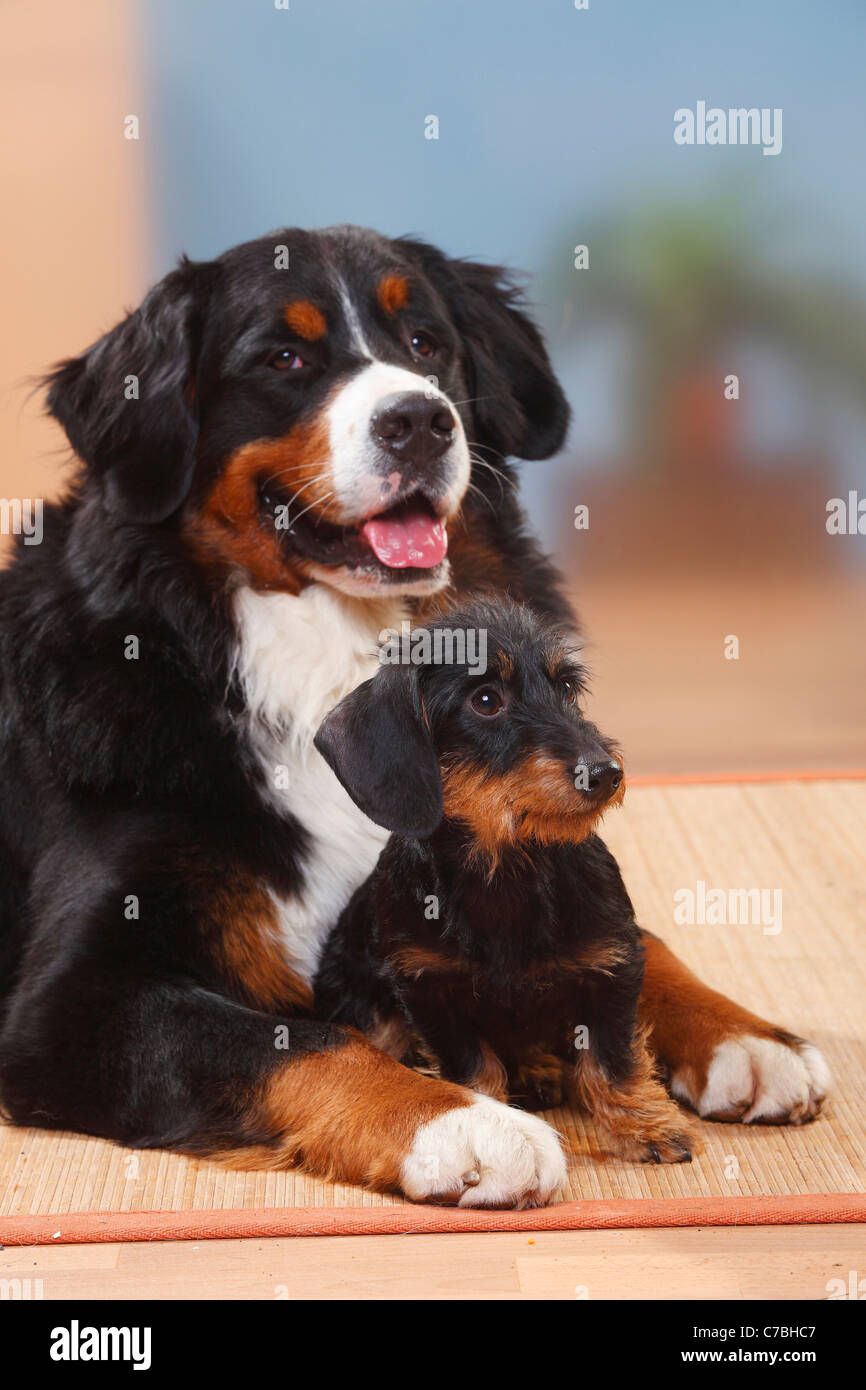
point(392, 293)
point(541, 1076)
point(415, 961)
point(599, 960)
point(348, 1114)
point(686, 1020)
point(249, 951)
point(636, 1116)
point(230, 527)
point(392, 1035)
point(306, 320)
point(536, 800)
point(491, 1078)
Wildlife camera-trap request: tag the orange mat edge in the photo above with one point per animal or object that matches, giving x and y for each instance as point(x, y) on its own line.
point(607, 1214)
point(686, 779)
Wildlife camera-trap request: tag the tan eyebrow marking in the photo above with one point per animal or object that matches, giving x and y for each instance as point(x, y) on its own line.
point(305, 320)
point(392, 293)
point(566, 658)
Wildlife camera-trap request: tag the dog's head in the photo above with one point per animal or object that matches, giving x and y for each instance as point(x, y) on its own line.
point(476, 717)
point(306, 406)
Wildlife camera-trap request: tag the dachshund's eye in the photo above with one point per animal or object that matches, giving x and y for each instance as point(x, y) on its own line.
point(424, 345)
point(487, 701)
point(286, 360)
point(569, 690)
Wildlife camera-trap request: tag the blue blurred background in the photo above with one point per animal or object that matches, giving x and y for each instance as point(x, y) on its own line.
point(707, 515)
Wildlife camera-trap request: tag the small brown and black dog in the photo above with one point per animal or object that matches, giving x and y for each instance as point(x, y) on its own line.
point(496, 941)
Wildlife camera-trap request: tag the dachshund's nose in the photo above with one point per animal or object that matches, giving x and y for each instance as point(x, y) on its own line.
point(603, 779)
point(413, 428)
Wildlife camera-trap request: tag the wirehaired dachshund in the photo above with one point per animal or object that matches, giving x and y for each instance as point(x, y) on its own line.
point(496, 942)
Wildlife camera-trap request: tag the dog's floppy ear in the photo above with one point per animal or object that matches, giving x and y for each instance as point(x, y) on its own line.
point(377, 742)
point(127, 402)
point(518, 405)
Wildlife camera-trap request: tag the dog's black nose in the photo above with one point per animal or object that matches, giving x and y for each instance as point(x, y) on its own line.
point(603, 780)
point(413, 428)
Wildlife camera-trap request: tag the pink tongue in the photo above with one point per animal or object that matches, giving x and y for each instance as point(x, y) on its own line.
point(411, 541)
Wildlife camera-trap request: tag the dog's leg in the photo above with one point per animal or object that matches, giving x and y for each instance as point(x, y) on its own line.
point(190, 1040)
point(724, 1061)
point(635, 1117)
point(166, 1066)
point(539, 1080)
point(491, 1079)
point(438, 1018)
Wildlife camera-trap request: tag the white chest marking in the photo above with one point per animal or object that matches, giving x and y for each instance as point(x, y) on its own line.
point(297, 657)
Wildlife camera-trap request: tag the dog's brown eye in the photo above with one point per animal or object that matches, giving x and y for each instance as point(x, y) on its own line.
point(487, 701)
point(424, 345)
point(568, 690)
point(286, 360)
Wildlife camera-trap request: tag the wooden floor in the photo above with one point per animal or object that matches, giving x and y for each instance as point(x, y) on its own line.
point(662, 686)
point(787, 1262)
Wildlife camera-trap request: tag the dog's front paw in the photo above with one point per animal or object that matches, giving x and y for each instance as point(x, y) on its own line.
point(484, 1155)
point(667, 1148)
point(540, 1082)
point(775, 1081)
point(630, 1137)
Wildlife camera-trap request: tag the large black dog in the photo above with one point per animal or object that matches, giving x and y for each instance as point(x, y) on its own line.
point(283, 451)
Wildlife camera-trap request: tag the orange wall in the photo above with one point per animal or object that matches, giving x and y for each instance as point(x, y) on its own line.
point(73, 197)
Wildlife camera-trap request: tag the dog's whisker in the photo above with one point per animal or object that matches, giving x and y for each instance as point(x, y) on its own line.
point(319, 501)
point(488, 448)
point(481, 464)
point(485, 463)
point(282, 472)
point(296, 495)
point(471, 487)
point(501, 480)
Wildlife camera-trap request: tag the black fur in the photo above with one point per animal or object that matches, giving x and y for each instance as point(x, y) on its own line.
point(513, 949)
point(518, 406)
point(125, 402)
point(132, 779)
point(381, 750)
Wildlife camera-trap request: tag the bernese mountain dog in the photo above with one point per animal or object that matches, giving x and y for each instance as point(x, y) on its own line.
point(283, 451)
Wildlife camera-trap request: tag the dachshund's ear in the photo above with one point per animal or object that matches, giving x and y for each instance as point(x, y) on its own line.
point(518, 405)
point(378, 743)
point(128, 403)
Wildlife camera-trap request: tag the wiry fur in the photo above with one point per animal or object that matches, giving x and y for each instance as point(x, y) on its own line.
point(504, 936)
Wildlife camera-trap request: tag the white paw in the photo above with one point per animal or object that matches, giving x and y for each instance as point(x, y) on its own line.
point(760, 1081)
point(484, 1155)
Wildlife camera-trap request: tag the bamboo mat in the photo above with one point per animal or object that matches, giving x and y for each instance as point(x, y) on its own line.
point(806, 838)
